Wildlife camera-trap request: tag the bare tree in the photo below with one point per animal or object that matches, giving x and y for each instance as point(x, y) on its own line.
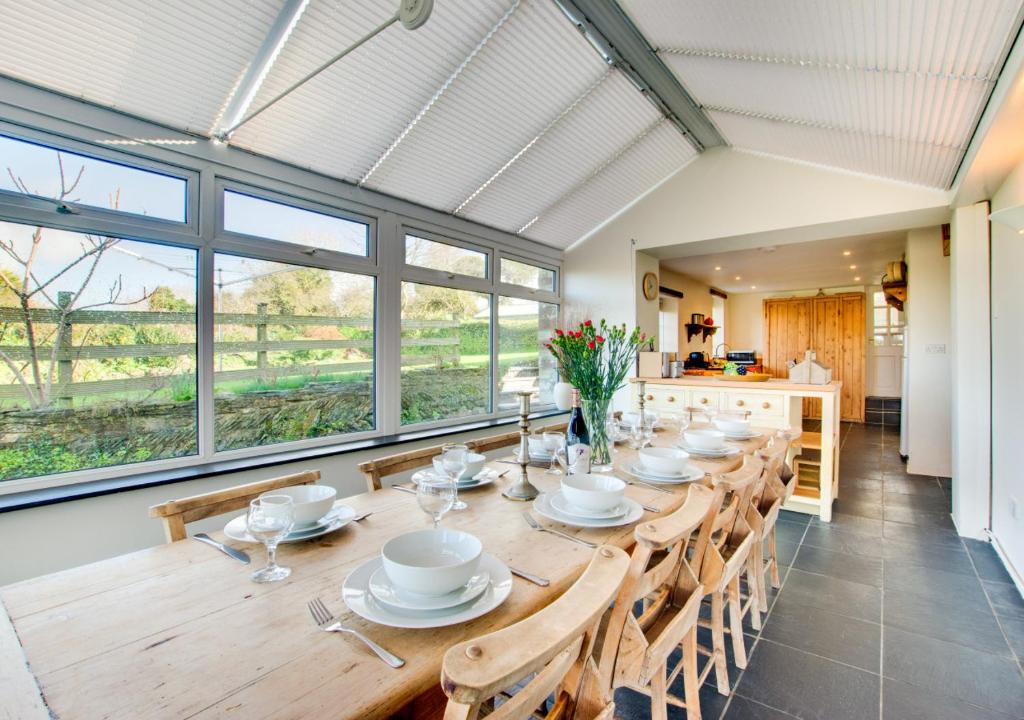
point(44, 336)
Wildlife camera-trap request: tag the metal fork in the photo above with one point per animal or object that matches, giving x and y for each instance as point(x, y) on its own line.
point(648, 485)
point(537, 526)
point(329, 623)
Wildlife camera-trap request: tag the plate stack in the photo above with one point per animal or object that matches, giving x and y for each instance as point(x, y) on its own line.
point(707, 444)
point(587, 500)
point(427, 579)
point(484, 477)
point(736, 428)
point(665, 466)
point(337, 517)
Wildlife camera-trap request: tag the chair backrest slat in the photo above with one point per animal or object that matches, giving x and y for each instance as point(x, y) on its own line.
point(177, 513)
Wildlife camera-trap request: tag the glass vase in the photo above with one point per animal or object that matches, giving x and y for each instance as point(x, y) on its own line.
point(595, 415)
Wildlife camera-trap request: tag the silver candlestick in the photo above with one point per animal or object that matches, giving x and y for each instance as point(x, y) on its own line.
point(641, 386)
point(523, 489)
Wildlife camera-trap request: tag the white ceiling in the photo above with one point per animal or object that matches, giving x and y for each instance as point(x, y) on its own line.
point(797, 266)
point(499, 111)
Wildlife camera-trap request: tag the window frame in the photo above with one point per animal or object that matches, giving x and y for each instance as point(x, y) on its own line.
point(208, 171)
point(524, 291)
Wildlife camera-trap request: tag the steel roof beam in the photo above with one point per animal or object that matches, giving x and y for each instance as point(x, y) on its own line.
point(618, 40)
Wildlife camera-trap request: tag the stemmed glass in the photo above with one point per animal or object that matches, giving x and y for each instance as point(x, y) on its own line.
point(453, 460)
point(553, 442)
point(269, 520)
point(435, 495)
point(641, 433)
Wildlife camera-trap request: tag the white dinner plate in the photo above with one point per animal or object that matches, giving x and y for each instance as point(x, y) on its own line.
point(691, 473)
point(337, 518)
point(634, 511)
point(388, 593)
point(742, 436)
point(721, 452)
point(484, 477)
point(561, 504)
point(356, 592)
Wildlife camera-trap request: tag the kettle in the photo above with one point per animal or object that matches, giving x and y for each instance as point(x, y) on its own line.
point(698, 359)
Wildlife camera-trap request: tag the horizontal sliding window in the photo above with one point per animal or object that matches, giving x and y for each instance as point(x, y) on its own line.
point(523, 362)
point(72, 179)
point(434, 255)
point(446, 353)
point(97, 351)
point(259, 217)
point(514, 272)
point(293, 352)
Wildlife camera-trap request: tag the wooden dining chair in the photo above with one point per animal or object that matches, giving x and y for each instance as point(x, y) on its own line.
point(763, 514)
point(635, 648)
point(555, 646)
point(724, 557)
point(496, 442)
point(374, 471)
point(178, 513)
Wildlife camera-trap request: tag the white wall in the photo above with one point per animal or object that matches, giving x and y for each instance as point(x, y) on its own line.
point(46, 539)
point(697, 298)
point(929, 339)
point(1007, 387)
point(969, 294)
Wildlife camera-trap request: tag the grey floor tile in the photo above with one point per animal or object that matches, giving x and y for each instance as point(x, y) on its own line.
point(909, 702)
point(932, 501)
point(986, 561)
point(968, 675)
point(786, 551)
point(1013, 628)
point(949, 558)
point(789, 532)
point(808, 686)
point(850, 504)
point(742, 709)
point(961, 591)
point(937, 537)
point(868, 527)
point(836, 637)
point(794, 517)
point(911, 485)
point(855, 600)
point(830, 538)
point(855, 568)
point(921, 518)
point(934, 617)
point(1004, 597)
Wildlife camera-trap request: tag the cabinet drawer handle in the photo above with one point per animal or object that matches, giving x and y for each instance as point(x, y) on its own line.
point(703, 401)
point(650, 397)
point(739, 403)
point(671, 398)
point(766, 405)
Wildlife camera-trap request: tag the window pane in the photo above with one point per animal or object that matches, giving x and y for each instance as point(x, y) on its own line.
point(293, 352)
point(523, 363)
point(517, 273)
point(445, 353)
point(896, 339)
point(881, 317)
point(879, 299)
point(82, 180)
point(264, 218)
point(101, 370)
point(447, 258)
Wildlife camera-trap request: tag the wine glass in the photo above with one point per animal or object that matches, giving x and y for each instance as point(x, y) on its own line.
point(710, 413)
point(453, 460)
point(553, 441)
point(611, 429)
point(435, 495)
point(269, 519)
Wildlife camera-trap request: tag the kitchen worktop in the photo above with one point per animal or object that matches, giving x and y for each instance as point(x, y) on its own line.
point(774, 384)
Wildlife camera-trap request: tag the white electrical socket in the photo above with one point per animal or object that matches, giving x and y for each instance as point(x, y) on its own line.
point(1013, 508)
point(935, 349)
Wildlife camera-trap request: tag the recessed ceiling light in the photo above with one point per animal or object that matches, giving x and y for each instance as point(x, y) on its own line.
point(768, 249)
point(857, 279)
point(847, 253)
point(718, 267)
point(753, 287)
point(738, 277)
point(853, 267)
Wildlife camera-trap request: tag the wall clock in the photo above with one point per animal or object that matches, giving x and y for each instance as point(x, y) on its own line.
point(650, 286)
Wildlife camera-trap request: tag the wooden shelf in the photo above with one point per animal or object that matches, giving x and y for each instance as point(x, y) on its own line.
point(705, 331)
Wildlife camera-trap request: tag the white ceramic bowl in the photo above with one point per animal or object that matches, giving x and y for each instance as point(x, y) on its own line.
point(705, 439)
point(431, 562)
point(474, 464)
point(630, 418)
point(664, 461)
point(593, 492)
point(733, 425)
point(311, 502)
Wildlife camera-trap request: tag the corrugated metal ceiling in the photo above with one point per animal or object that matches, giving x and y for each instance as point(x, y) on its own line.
point(499, 111)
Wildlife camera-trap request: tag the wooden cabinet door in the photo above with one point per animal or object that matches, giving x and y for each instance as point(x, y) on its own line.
point(852, 364)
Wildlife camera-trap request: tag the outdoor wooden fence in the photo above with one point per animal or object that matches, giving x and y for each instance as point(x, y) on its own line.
point(446, 348)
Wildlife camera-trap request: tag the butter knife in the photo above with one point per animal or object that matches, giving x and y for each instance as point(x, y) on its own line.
point(230, 551)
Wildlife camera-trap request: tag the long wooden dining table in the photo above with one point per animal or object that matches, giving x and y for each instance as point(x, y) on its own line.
point(180, 631)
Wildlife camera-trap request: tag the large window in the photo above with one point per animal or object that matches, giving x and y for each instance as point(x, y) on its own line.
point(255, 216)
point(447, 258)
point(523, 363)
point(154, 324)
point(446, 355)
point(293, 352)
point(97, 351)
point(73, 179)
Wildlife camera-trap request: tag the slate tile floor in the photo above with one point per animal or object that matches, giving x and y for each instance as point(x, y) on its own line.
point(884, 614)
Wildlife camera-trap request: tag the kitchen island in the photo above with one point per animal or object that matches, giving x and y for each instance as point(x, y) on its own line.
point(776, 403)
